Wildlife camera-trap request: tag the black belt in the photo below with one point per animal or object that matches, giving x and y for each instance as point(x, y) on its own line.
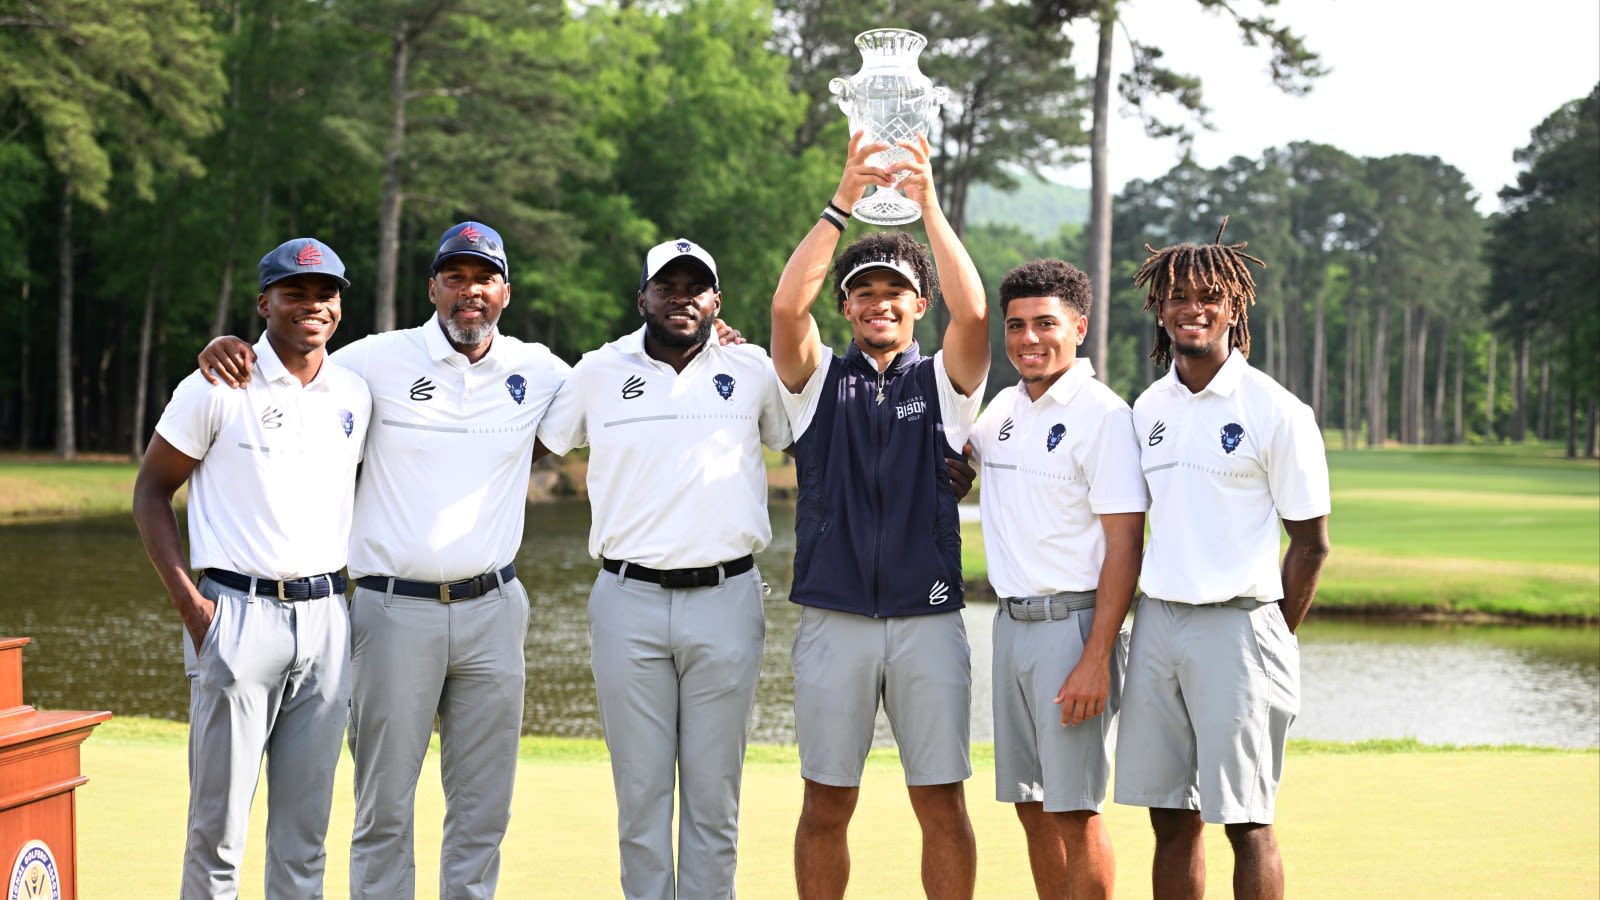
point(708, 576)
point(447, 592)
point(310, 588)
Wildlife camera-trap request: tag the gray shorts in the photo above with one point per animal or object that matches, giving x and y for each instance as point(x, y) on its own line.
point(919, 667)
point(1036, 758)
point(1210, 695)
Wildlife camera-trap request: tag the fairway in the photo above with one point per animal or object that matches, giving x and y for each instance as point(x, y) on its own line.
point(1394, 821)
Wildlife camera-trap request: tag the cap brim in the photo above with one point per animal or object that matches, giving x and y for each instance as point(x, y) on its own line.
point(343, 281)
point(897, 266)
point(483, 256)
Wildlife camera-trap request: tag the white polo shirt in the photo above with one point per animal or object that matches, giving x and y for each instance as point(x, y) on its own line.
point(956, 411)
point(273, 492)
point(676, 479)
point(1050, 468)
point(445, 485)
point(1224, 466)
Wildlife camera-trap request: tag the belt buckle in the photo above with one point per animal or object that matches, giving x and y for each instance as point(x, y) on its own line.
point(282, 597)
point(444, 593)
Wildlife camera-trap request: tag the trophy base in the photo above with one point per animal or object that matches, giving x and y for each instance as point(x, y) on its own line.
point(886, 208)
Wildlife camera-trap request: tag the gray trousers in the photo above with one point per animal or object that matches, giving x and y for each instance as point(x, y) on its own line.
point(414, 659)
point(272, 679)
point(675, 672)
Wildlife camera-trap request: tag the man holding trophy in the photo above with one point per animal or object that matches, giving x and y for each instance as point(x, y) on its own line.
point(878, 561)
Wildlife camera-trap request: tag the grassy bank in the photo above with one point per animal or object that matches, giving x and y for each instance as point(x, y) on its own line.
point(1388, 819)
point(1495, 531)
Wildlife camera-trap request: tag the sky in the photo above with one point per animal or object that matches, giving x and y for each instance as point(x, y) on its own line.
point(1465, 82)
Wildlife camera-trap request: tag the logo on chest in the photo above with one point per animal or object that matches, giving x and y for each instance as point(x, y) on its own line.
point(422, 389)
point(633, 388)
point(724, 385)
point(517, 387)
point(347, 421)
point(1005, 431)
point(1053, 439)
point(1232, 436)
point(911, 410)
point(272, 417)
point(1157, 433)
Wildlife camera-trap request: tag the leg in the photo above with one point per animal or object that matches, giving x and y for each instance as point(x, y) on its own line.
point(1257, 868)
point(480, 723)
point(636, 685)
point(397, 664)
point(303, 750)
point(949, 849)
point(1179, 872)
point(821, 845)
point(235, 686)
point(719, 635)
point(1091, 865)
point(1047, 855)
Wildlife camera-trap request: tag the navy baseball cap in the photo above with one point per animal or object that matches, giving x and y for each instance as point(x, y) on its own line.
point(300, 256)
point(472, 239)
point(669, 251)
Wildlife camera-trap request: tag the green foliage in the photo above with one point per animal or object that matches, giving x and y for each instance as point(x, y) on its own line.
point(128, 80)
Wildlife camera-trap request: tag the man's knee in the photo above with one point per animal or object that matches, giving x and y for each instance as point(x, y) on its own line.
point(826, 807)
point(1176, 825)
point(1250, 838)
point(939, 803)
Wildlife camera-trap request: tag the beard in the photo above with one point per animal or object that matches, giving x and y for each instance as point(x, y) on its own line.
point(469, 336)
point(659, 333)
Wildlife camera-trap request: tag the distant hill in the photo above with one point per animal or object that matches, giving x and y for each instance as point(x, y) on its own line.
point(1038, 207)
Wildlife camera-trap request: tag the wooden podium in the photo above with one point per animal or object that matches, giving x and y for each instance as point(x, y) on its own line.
point(38, 772)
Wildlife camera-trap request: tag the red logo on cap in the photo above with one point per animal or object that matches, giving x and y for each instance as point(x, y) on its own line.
point(309, 255)
point(471, 234)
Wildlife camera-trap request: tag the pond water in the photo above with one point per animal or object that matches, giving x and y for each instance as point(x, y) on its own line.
point(105, 637)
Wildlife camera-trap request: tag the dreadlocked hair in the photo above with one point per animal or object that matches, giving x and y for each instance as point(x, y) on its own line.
point(1217, 266)
point(885, 246)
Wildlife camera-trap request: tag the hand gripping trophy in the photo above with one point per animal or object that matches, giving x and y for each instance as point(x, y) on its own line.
point(891, 101)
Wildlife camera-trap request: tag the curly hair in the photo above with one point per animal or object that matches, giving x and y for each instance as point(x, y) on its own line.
point(886, 246)
point(1218, 267)
point(1048, 278)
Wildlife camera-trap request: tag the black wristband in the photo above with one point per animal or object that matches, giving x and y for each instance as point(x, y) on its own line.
point(832, 218)
point(842, 213)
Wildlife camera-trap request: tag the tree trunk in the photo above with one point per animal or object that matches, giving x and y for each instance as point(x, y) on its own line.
point(1543, 427)
point(24, 354)
point(66, 432)
point(1352, 384)
point(1099, 260)
point(1589, 432)
point(1572, 422)
point(219, 323)
point(1488, 395)
point(147, 327)
point(1519, 385)
point(1319, 360)
point(1436, 433)
point(1419, 360)
point(1378, 379)
point(393, 192)
point(1408, 367)
point(1458, 422)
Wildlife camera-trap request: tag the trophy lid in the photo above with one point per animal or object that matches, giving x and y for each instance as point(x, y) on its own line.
point(890, 42)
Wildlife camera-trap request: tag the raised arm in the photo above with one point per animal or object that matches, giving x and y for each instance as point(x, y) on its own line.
point(796, 344)
point(966, 339)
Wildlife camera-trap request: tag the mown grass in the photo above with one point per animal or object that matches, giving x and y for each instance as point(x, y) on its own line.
point(1496, 531)
point(1379, 819)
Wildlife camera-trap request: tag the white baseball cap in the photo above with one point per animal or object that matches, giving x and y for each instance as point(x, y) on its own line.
point(894, 265)
point(668, 251)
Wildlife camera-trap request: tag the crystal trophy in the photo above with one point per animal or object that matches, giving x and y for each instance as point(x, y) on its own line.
point(891, 101)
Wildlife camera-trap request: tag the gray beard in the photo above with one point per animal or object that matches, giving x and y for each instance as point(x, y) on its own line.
point(468, 337)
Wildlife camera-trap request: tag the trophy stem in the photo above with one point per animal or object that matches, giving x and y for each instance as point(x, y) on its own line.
point(886, 206)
